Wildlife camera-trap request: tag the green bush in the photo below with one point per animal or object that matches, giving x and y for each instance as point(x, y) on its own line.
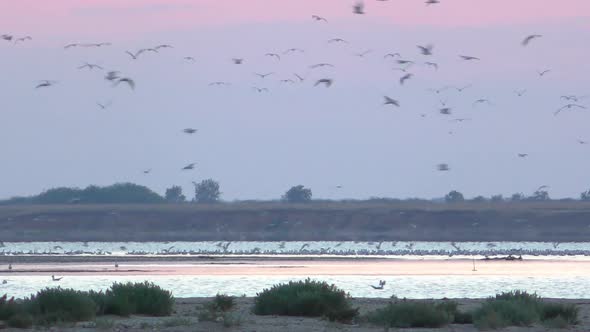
point(223, 302)
point(9, 307)
point(302, 298)
point(137, 298)
point(21, 320)
point(406, 314)
point(53, 305)
point(519, 308)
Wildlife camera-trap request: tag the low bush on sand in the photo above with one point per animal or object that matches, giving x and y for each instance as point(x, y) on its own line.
point(142, 298)
point(303, 298)
point(428, 314)
point(519, 308)
point(58, 305)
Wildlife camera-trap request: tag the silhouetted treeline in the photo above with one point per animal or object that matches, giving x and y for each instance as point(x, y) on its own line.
point(120, 193)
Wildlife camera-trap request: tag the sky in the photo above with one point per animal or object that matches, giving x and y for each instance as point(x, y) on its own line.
point(257, 145)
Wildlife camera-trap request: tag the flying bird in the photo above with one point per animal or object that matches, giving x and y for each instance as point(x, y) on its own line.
point(326, 81)
point(288, 80)
point(542, 187)
point(337, 40)
point(523, 155)
point(432, 2)
point(278, 57)
point(529, 38)
point(112, 76)
point(544, 72)
point(443, 167)
point(260, 89)
point(381, 285)
point(147, 171)
point(189, 131)
point(163, 46)
point(301, 79)
point(292, 50)
point(390, 101)
point(104, 106)
point(130, 82)
point(405, 62)
point(438, 91)
point(321, 65)
point(90, 66)
point(45, 84)
point(393, 55)
point(56, 279)
point(426, 50)
point(582, 142)
point(218, 83)
point(359, 8)
point(189, 167)
point(22, 39)
point(482, 101)
point(432, 64)
point(362, 55)
point(469, 58)
point(445, 111)
point(520, 93)
point(189, 58)
point(405, 78)
point(237, 61)
point(569, 107)
point(319, 18)
point(263, 75)
point(460, 89)
point(570, 98)
point(6, 37)
point(461, 119)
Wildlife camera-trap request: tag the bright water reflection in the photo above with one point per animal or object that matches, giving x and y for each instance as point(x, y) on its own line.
point(358, 286)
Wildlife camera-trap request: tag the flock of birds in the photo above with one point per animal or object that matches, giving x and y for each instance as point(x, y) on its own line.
point(404, 65)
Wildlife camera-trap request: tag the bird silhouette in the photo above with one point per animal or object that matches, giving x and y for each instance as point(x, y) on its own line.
point(319, 65)
point(523, 155)
point(391, 55)
point(163, 46)
point(404, 78)
point(22, 39)
point(293, 50)
point(426, 50)
point(189, 58)
point(520, 93)
point(432, 64)
point(469, 58)
point(237, 61)
point(56, 279)
point(390, 101)
point(45, 84)
point(190, 166)
point(529, 38)
point(319, 18)
point(569, 107)
point(130, 82)
point(104, 106)
point(90, 66)
point(432, 2)
point(337, 40)
point(544, 72)
point(482, 101)
point(326, 81)
point(274, 55)
point(362, 55)
point(260, 89)
point(189, 131)
point(359, 8)
point(445, 111)
point(443, 167)
point(263, 75)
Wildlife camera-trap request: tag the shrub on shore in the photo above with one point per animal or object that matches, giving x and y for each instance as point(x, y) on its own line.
point(142, 298)
point(302, 298)
point(410, 314)
point(58, 305)
point(518, 308)
point(52, 306)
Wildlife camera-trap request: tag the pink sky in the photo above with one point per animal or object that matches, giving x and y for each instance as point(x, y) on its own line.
point(74, 16)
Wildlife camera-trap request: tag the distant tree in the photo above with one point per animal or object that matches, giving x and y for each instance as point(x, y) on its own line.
point(517, 197)
point(298, 194)
point(539, 196)
point(585, 196)
point(454, 197)
point(174, 195)
point(497, 198)
point(207, 191)
point(479, 199)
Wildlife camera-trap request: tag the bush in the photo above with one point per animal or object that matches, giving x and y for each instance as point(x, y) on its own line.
point(54, 305)
point(519, 308)
point(21, 320)
point(137, 298)
point(223, 302)
point(454, 197)
point(302, 298)
point(407, 314)
point(8, 307)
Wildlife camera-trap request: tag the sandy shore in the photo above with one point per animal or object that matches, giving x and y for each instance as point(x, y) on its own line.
point(185, 319)
point(300, 267)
